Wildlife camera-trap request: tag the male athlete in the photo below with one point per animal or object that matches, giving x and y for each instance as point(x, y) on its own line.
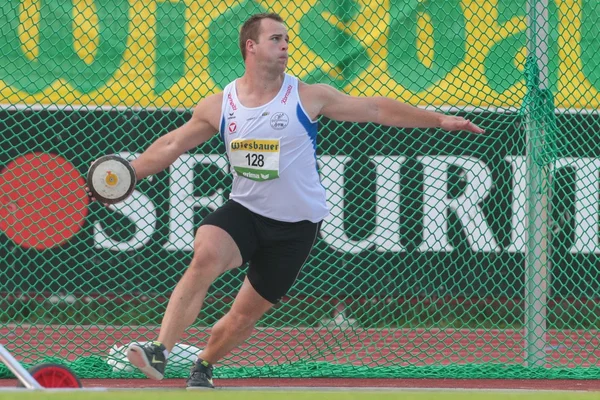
point(267, 120)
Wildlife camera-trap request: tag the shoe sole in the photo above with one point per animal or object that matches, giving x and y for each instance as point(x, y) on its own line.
point(137, 357)
point(199, 388)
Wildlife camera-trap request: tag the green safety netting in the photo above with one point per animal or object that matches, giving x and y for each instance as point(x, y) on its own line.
point(447, 255)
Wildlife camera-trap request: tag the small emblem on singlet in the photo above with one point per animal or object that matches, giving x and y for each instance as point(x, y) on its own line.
point(232, 127)
point(279, 120)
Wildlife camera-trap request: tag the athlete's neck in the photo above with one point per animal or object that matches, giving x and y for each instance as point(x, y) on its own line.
point(259, 85)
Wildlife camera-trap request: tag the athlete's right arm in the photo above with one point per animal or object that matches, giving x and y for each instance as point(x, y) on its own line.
point(203, 124)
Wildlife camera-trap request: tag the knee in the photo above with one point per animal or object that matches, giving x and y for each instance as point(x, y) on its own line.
point(205, 262)
point(241, 322)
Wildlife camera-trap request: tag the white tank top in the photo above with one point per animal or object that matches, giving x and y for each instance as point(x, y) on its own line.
point(272, 151)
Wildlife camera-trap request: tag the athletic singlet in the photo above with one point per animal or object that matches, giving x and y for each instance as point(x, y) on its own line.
point(272, 151)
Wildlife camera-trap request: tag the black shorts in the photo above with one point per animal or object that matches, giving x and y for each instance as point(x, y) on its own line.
point(275, 250)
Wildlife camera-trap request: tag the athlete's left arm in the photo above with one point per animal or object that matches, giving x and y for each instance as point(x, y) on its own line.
point(339, 106)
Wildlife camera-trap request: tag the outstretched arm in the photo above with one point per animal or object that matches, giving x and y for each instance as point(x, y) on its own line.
point(166, 149)
point(336, 105)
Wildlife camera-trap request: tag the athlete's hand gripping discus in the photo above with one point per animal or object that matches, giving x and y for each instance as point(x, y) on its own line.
point(111, 179)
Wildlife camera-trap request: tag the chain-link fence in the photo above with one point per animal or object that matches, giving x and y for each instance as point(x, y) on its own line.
point(445, 254)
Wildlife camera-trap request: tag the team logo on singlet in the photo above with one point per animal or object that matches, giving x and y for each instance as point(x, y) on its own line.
point(232, 127)
point(279, 120)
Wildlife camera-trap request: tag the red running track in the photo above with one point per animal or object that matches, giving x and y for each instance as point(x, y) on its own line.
point(383, 347)
point(372, 347)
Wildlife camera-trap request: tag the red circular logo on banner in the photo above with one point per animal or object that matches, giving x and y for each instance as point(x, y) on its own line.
point(43, 202)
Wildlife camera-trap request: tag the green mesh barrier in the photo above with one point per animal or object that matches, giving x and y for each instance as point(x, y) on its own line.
point(448, 255)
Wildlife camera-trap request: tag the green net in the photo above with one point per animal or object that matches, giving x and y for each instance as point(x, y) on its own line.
point(447, 255)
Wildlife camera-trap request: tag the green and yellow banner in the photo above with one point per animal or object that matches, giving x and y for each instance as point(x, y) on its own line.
point(146, 53)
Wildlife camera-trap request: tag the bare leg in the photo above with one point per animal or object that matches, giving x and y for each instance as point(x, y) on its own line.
point(237, 325)
point(214, 253)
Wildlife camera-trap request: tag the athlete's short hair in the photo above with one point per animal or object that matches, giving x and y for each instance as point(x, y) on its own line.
point(251, 29)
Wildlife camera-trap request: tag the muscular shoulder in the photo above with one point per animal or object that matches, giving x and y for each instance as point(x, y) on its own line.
point(212, 101)
point(314, 97)
point(209, 110)
point(314, 91)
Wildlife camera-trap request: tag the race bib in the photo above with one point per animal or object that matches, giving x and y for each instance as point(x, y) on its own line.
point(256, 159)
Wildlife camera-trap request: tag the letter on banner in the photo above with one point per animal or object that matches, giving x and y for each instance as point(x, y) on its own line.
point(586, 202)
point(332, 175)
point(436, 203)
point(427, 40)
point(518, 233)
point(386, 236)
point(387, 225)
point(81, 43)
point(182, 201)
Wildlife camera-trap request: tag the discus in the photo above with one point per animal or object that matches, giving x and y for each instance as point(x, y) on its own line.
point(111, 179)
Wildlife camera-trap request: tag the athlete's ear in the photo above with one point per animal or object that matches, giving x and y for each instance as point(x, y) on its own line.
point(250, 46)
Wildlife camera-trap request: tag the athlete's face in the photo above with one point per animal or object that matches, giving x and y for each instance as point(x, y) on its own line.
point(272, 46)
